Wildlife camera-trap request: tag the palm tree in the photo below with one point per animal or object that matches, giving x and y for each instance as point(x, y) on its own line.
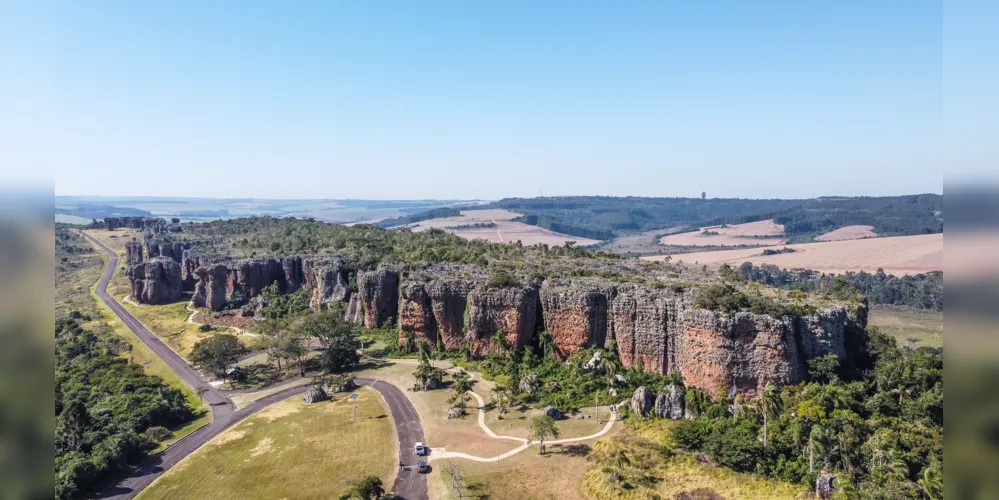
point(931, 481)
point(621, 459)
point(547, 344)
point(818, 442)
point(770, 406)
point(461, 386)
point(466, 350)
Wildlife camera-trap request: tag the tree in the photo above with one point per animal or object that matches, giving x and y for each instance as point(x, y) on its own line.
point(461, 386)
point(770, 406)
point(369, 488)
point(823, 368)
point(547, 344)
point(466, 350)
point(704, 195)
point(542, 428)
point(338, 339)
point(819, 441)
point(500, 341)
point(931, 481)
point(217, 354)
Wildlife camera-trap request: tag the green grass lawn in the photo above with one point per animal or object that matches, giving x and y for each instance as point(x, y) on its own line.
point(919, 327)
point(289, 450)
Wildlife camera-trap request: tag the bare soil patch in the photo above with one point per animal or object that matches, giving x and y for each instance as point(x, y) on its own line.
point(896, 255)
point(505, 230)
point(764, 232)
point(223, 318)
point(848, 233)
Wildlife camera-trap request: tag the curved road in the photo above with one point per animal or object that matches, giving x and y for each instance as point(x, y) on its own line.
point(409, 484)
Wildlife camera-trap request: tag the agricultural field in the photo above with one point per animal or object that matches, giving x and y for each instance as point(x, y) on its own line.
point(496, 226)
point(909, 326)
point(763, 233)
point(896, 255)
point(848, 233)
point(315, 451)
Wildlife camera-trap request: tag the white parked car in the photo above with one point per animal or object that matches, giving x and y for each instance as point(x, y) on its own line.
point(420, 449)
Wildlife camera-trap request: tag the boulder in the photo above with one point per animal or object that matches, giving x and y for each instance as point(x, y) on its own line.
point(824, 485)
point(133, 252)
point(642, 401)
point(339, 384)
point(554, 413)
point(529, 384)
point(315, 394)
point(670, 403)
point(594, 361)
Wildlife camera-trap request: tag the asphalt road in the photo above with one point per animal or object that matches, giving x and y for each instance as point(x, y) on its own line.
point(409, 484)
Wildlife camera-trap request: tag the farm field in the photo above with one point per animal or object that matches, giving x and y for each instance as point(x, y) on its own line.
point(848, 233)
point(505, 230)
point(896, 255)
point(918, 327)
point(764, 232)
point(313, 450)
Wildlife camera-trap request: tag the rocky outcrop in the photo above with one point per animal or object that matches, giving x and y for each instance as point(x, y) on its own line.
point(670, 403)
point(353, 315)
point(641, 401)
point(511, 310)
point(825, 485)
point(329, 280)
point(416, 314)
point(315, 394)
point(448, 302)
point(172, 250)
point(379, 297)
point(529, 384)
point(643, 324)
point(575, 313)
point(210, 290)
point(133, 253)
point(156, 281)
point(554, 413)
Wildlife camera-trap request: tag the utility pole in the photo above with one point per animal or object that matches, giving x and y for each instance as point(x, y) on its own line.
point(596, 408)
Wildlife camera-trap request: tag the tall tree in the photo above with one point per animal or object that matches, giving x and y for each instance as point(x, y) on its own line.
point(542, 428)
point(547, 344)
point(339, 340)
point(770, 406)
point(461, 386)
point(217, 354)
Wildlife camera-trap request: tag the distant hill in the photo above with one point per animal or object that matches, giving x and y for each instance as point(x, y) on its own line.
point(604, 217)
point(436, 213)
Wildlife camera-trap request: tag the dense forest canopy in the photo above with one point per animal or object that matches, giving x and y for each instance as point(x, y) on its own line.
point(604, 217)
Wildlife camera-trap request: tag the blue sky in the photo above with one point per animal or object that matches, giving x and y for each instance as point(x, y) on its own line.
point(469, 100)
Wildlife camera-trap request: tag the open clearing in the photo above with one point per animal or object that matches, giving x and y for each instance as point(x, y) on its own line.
point(505, 230)
point(917, 327)
point(848, 233)
point(311, 450)
point(764, 232)
point(896, 255)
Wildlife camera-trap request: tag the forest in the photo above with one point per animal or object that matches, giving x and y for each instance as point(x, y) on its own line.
point(436, 213)
point(602, 217)
point(924, 291)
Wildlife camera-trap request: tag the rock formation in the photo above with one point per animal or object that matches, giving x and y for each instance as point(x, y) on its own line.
point(641, 401)
point(315, 394)
point(553, 412)
point(155, 281)
point(511, 310)
point(112, 223)
point(133, 253)
point(328, 280)
point(379, 297)
point(353, 315)
point(575, 313)
point(824, 485)
point(670, 403)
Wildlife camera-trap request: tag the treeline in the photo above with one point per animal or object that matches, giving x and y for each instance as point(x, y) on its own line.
point(923, 290)
point(93, 211)
point(108, 412)
point(436, 213)
point(601, 217)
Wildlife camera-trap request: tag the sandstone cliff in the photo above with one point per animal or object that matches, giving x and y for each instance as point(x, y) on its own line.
point(575, 313)
point(379, 297)
point(133, 252)
point(329, 280)
point(156, 281)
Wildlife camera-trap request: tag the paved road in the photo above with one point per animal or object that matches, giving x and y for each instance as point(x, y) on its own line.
point(408, 484)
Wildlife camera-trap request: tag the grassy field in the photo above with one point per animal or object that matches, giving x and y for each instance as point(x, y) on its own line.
point(289, 450)
point(654, 473)
point(76, 281)
point(556, 475)
point(917, 327)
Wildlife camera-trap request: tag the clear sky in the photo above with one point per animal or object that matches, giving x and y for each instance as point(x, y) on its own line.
point(457, 99)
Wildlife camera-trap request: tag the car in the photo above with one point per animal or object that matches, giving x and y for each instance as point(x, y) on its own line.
point(420, 449)
point(421, 466)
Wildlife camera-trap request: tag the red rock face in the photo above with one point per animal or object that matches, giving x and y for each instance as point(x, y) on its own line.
point(510, 310)
point(737, 353)
point(642, 324)
point(448, 301)
point(575, 314)
point(416, 314)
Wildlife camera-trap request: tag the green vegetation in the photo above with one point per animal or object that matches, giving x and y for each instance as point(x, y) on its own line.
point(603, 217)
point(778, 251)
point(878, 427)
point(542, 428)
point(924, 291)
point(909, 326)
point(477, 225)
point(109, 413)
point(217, 354)
point(437, 213)
point(315, 451)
